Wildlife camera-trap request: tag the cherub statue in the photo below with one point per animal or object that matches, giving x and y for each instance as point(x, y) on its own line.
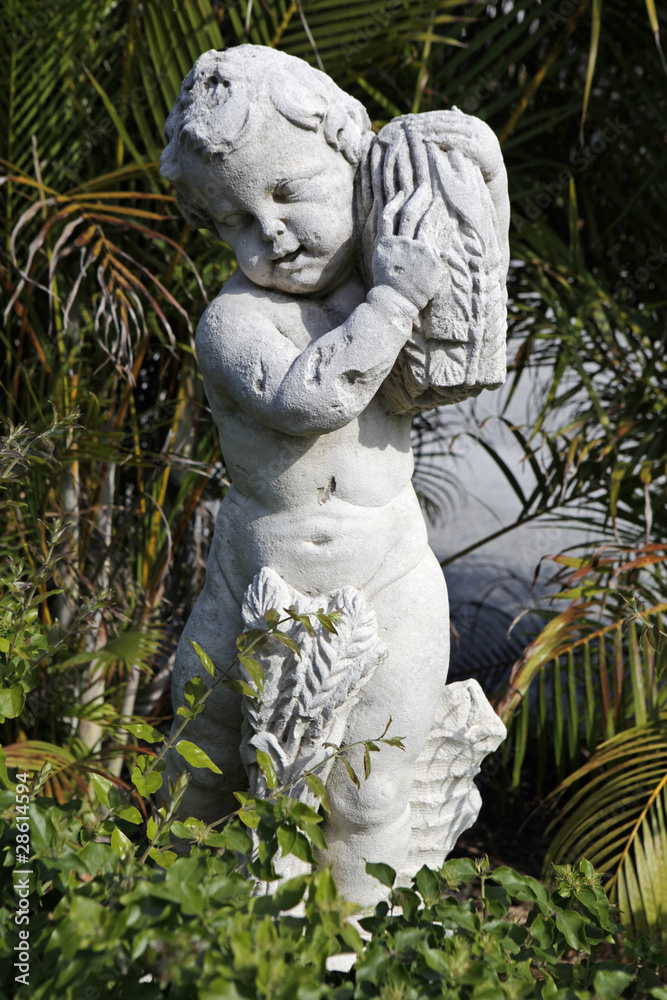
point(370, 285)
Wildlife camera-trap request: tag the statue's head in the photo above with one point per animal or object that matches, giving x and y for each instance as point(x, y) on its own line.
point(263, 149)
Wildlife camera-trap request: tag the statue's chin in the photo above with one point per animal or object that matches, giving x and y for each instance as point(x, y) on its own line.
point(310, 279)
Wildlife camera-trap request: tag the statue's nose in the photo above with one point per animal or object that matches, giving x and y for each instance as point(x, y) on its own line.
point(272, 229)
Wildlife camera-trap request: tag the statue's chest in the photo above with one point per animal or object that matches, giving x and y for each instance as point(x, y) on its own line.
point(303, 321)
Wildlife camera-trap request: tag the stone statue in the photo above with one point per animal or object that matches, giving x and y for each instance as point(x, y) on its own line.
point(370, 285)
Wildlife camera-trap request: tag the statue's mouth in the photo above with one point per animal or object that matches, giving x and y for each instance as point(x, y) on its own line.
point(288, 257)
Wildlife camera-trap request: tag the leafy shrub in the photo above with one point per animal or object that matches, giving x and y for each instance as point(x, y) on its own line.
point(108, 923)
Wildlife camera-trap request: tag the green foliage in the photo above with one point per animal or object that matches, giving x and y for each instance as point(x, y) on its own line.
point(106, 918)
point(617, 817)
point(428, 942)
point(45, 683)
point(589, 683)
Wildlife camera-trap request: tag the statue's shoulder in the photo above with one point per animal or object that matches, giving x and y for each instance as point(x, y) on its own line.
point(237, 306)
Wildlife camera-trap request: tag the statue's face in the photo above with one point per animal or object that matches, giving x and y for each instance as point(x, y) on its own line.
point(283, 202)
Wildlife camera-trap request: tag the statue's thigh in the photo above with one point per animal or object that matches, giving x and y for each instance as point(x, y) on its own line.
point(214, 624)
point(413, 620)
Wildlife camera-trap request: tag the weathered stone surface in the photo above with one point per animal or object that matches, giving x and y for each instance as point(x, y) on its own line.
point(370, 285)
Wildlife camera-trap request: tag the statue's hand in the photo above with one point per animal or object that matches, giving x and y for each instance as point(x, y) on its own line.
point(407, 260)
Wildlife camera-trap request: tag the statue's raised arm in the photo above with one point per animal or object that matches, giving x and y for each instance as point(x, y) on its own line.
point(448, 170)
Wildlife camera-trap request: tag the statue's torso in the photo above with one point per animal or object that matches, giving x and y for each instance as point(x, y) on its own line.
point(329, 509)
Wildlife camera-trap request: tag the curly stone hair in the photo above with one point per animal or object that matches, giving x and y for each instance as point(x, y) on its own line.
point(216, 102)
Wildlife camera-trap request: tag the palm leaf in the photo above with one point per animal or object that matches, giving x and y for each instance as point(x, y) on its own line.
point(617, 819)
point(592, 681)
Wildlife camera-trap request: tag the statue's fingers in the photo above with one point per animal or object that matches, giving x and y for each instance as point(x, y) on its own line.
point(419, 157)
point(376, 171)
point(388, 221)
point(366, 179)
point(414, 209)
point(389, 172)
point(432, 222)
point(406, 177)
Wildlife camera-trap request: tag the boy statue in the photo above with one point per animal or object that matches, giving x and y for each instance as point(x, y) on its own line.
point(370, 285)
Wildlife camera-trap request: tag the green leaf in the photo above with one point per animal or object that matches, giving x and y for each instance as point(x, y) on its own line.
point(240, 687)
point(204, 658)
point(271, 617)
point(522, 887)
point(121, 844)
point(144, 732)
point(302, 849)
point(435, 959)
point(367, 764)
point(291, 892)
point(286, 838)
point(267, 769)
point(459, 870)
point(249, 817)
point(4, 776)
point(383, 873)
point(12, 700)
point(195, 756)
point(352, 938)
point(287, 640)
point(254, 637)
point(316, 786)
point(610, 984)
point(302, 813)
point(194, 691)
point(327, 622)
point(352, 773)
point(325, 888)
point(106, 791)
point(237, 839)
point(146, 784)
point(220, 989)
point(187, 713)
point(372, 965)
point(163, 858)
point(572, 927)
point(395, 741)
point(187, 830)
point(254, 669)
point(305, 621)
point(315, 834)
point(428, 884)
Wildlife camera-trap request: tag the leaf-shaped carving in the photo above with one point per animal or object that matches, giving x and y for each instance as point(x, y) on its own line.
point(267, 590)
point(306, 700)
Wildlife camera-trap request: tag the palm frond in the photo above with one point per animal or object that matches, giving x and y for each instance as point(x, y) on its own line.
point(580, 682)
point(617, 818)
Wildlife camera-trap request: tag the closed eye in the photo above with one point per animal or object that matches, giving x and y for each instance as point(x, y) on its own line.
point(236, 220)
point(291, 190)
